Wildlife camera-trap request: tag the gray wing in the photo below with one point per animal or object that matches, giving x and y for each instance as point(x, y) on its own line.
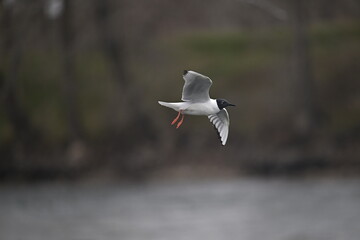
point(196, 87)
point(221, 122)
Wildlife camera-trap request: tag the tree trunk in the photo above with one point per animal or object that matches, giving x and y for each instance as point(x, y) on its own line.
point(304, 83)
point(18, 117)
point(138, 126)
point(25, 135)
point(70, 83)
point(76, 151)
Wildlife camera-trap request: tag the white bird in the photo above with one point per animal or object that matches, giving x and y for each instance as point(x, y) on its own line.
point(196, 101)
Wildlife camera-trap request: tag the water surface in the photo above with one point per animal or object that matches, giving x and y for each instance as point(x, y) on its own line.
point(247, 209)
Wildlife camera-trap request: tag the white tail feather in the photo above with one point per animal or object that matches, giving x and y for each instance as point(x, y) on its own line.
point(175, 105)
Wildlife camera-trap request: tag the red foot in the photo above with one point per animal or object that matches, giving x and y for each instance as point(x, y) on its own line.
point(181, 121)
point(177, 117)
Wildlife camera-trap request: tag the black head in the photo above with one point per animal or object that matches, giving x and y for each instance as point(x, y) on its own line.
point(222, 103)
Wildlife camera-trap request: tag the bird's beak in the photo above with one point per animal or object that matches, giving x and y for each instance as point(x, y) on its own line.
point(230, 104)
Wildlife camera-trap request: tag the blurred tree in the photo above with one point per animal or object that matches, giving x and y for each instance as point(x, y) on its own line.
point(25, 136)
point(76, 149)
point(126, 91)
point(70, 82)
point(304, 84)
point(114, 51)
point(12, 55)
point(128, 123)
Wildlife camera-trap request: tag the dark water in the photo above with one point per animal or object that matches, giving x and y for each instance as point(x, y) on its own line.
point(232, 209)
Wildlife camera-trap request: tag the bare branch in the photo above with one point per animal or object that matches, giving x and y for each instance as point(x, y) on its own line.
point(269, 8)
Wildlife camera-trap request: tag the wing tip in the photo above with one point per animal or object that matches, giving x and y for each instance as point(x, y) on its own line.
point(223, 142)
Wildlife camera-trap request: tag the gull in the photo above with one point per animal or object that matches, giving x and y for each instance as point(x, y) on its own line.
point(196, 101)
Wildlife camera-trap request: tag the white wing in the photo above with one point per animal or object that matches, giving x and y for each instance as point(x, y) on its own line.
point(221, 122)
point(196, 87)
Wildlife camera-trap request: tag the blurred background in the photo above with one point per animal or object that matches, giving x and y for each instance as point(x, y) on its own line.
point(79, 85)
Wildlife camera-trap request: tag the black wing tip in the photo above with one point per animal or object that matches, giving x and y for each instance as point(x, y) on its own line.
point(218, 135)
point(185, 72)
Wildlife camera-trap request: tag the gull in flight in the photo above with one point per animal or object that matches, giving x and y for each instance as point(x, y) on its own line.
point(196, 101)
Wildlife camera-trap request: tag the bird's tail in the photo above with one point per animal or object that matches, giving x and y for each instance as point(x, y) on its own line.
point(174, 106)
point(166, 104)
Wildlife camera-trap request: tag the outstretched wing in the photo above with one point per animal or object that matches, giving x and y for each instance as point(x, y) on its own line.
point(196, 87)
point(221, 123)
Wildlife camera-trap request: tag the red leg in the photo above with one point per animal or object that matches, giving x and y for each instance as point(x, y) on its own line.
point(181, 121)
point(177, 117)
